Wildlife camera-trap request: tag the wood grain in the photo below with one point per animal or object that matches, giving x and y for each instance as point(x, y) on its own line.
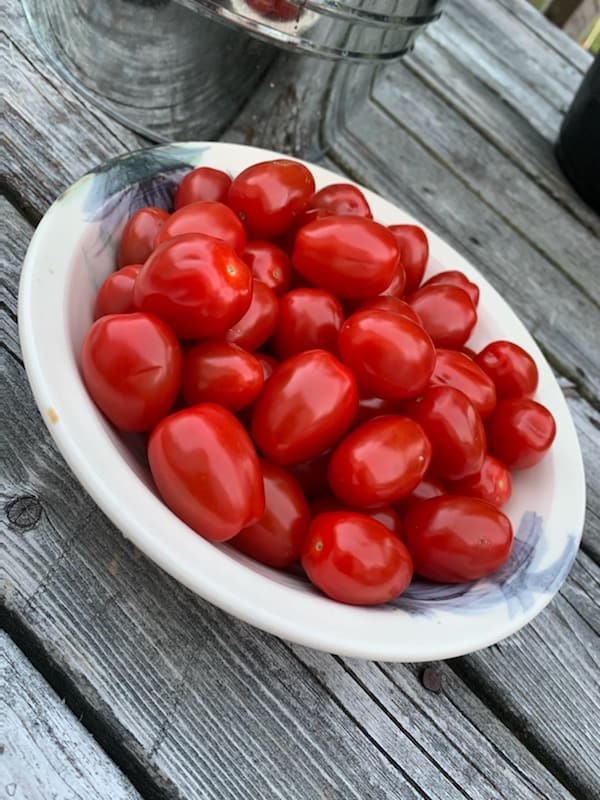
point(180, 689)
point(45, 752)
point(193, 703)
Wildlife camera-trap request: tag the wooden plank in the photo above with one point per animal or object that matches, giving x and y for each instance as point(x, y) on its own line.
point(455, 76)
point(45, 752)
point(200, 701)
point(541, 27)
point(557, 661)
point(491, 175)
point(526, 59)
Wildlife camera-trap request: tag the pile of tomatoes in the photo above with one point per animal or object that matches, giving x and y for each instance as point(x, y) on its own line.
point(305, 395)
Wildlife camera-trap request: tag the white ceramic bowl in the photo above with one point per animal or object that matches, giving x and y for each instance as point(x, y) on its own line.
point(71, 253)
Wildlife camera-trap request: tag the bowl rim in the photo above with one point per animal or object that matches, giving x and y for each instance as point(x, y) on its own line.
point(219, 584)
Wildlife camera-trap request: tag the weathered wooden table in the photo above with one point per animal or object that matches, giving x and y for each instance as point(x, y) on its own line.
point(116, 682)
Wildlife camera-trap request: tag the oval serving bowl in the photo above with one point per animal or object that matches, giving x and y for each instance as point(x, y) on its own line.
point(73, 250)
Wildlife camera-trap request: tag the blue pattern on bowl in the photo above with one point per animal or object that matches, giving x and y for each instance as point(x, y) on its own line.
point(516, 583)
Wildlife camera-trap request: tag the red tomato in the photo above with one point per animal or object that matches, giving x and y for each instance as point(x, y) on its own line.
point(398, 283)
point(446, 313)
point(269, 264)
point(211, 219)
point(307, 404)
point(267, 363)
point(429, 487)
point(195, 283)
point(278, 10)
point(206, 470)
point(520, 432)
point(512, 369)
point(414, 253)
point(492, 484)
point(390, 355)
point(115, 296)
point(455, 430)
point(276, 539)
point(370, 407)
point(458, 370)
point(342, 199)
point(312, 474)
point(352, 257)
point(259, 321)
point(221, 372)
point(455, 539)
point(379, 462)
point(269, 197)
point(393, 304)
point(286, 242)
point(386, 514)
point(309, 319)
point(137, 239)
point(355, 559)
point(131, 366)
point(202, 183)
point(454, 277)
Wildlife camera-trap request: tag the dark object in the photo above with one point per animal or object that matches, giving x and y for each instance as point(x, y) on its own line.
point(432, 680)
point(578, 145)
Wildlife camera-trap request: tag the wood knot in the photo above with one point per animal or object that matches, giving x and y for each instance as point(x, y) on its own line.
point(432, 680)
point(24, 512)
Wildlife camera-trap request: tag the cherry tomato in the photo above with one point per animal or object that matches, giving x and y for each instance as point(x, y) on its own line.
point(269, 264)
point(379, 462)
point(221, 372)
point(202, 183)
point(206, 470)
point(512, 369)
point(259, 321)
point(456, 539)
point(115, 296)
point(390, 356)
point(312, 474)
point(429, 487)
point(267, 363)
point(413, 248)
point(397, 285)
point(455, 430)
point(458, 370)
point(342, 199)
point(309, 319)
point(131, 366)
point(370, 407)
point(278, 10)
point(209, 218)
point(386, 514)
point(393, 304)
point(196, 284)
point(446, 313)
point(276, 539)
point(454, 277)
point(520, 432)
point(307, 404)
point(286, 242)
point(492, 484)
point(352, 257)
point(269, 197)
point(137, 239)
point(355, 559)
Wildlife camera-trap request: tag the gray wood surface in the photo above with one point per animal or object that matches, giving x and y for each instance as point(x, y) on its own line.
point(45, 752)
point(192, 703)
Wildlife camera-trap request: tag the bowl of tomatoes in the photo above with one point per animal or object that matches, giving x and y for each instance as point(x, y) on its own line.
point(300, 402)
